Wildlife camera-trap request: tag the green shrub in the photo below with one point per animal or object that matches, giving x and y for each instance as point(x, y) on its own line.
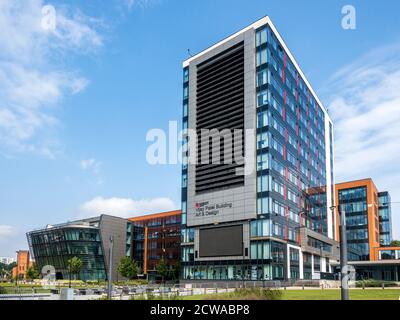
point(248, 294)
point(137, 282)
point(371, 283)
point(3, 290)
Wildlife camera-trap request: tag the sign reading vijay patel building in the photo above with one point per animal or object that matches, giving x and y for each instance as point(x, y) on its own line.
point(204, 208)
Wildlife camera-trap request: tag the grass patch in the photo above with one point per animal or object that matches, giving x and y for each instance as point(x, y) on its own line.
point(308, 294)
point(334, 294)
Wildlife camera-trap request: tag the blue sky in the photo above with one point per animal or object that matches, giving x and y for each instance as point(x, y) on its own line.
point(76, 103)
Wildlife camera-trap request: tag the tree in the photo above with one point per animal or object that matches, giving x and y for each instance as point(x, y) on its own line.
point(175, 271)
point(162, 269)
point(395, 243)
point(128, 268)
point(32, 273)
point(74, 267)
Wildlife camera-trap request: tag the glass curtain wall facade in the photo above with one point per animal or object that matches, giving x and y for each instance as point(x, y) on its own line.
point(87, 239)
point(56, 246)
point(368, 219)
point(385, 218)
point(187, 233)
point(291, 182)
point(354, 202)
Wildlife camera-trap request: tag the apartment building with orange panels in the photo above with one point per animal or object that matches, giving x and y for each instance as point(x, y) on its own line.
point(359, 200)
point(155, 237)
point(23, 263)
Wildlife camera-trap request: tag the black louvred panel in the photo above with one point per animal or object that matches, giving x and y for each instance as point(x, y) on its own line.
point(220, 105)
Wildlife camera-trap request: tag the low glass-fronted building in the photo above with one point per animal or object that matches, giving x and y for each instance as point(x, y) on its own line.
point(87, 239)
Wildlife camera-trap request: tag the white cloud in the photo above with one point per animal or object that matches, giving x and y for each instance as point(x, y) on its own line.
point(90, 164)
point(6, 231)
point(138, 3)
point(33, 80)
point(365, 106)
point(94, 167)
point(125, 207)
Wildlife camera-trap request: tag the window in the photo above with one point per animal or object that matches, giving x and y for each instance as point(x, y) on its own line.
point(187, 235)
point(262, 183)
point(262, 119)
point(277, 86)
point(262, 98)
point(278, 167)
point(277, 145)
point(262, 77)
point(277, 230)
point(260, 228)
point(185, 109)
point(292, 196)
point(262, 161)
point(277, 126)
point(260, 250)
point(261, 57)
point(184, 180)
point(277, 187)
point(187, 254)
point(262, 205)
point(185, 75)
point(293, 215)
point(278, 208)
point(291, 158)
point(185, 92)
point(262, 140)
point(261, 36)
point(277, 106)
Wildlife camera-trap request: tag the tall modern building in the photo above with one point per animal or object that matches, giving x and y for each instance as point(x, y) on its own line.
point(155, 237)
point(87, 239)
point(368, 221)
point(267, 214)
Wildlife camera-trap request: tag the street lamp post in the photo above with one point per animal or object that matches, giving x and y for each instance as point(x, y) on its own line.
point(243, 259)
point(344, 287)
point(109, 291)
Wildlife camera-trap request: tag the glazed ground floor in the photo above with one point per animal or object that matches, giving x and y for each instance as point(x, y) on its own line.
point(269, 260)
point(385, 270)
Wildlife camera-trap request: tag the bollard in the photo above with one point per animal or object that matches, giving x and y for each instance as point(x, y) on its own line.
point(383, 286)
point(303, 286)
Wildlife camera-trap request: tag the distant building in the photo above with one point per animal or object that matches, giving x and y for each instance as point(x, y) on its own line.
point(368, 221)
point(7, 260)
point(23, 263)
point(368, 230)
point(385, 265)
point(155, 237)
point(87, 239)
